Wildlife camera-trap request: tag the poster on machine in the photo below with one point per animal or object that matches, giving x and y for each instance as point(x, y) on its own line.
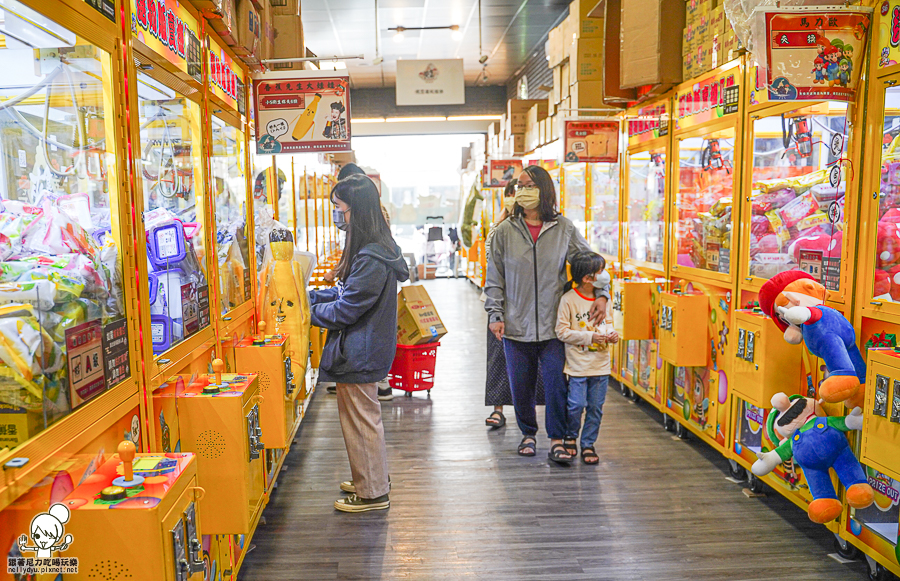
point(592, 141)
point(815, 56)
point(299, 114)
point(887, 34)
point(84, 349)
point(502, 171)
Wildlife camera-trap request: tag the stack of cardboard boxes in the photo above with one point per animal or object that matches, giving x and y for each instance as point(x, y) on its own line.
point(709, 40)
point(575, 50)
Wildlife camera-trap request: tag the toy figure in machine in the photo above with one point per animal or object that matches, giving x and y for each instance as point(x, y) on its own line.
point(285, 309)
point(795, 301)
point(816, 444)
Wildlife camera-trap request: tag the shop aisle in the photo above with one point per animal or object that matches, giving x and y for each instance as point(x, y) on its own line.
point(465, 506)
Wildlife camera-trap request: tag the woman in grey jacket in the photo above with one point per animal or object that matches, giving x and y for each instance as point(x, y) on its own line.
point(526, 273)
point(361, 317)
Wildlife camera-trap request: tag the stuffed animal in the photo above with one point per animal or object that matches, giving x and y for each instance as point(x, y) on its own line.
point(884, 283)
point(816, 444)
point(829, 245)
point(887, 245)
point(795, 301)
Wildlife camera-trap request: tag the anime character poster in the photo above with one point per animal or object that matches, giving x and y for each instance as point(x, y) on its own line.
point(815, 56)
point(296, 114)
point(503, 171)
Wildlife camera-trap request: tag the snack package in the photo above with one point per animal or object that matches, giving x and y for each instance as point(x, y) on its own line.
point(765, 202)
point(760, 226)
point(799, 208)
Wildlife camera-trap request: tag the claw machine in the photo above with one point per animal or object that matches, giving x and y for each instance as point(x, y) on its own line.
point(573, 193)
point(603, 227)
point(874, 530)
point(643, 271)
point(707, 124)
point(69, 361)
point(797, 212)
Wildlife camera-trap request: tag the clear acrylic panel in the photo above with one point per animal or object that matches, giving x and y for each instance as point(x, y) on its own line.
point(605, 208)
point(646, 205)
point(887, 246)
point(576, 190)
point(703, 201)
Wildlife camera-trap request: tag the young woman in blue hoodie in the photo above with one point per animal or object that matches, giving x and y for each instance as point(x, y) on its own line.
point(360, 314)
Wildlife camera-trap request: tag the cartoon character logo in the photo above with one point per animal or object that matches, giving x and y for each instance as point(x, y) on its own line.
point(781, 88)
point(48, 533)
point(430, 74)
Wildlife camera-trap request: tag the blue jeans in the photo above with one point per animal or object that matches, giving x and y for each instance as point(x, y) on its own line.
point(522, 366)
point(590, 393)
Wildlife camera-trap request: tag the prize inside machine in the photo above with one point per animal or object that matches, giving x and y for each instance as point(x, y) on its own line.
point(575, 195)
point(796, 220)
point(217, 417)
point(702, 275)
point(174, 217)
point(603, 219)
point(641, 368)
point(64, 294)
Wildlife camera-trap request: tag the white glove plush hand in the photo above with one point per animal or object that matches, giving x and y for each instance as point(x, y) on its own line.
point(854, 421)
point(796, 315)
point(766, 463)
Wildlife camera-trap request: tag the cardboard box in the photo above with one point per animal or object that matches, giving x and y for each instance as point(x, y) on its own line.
point(285, 7)
point(289, 42)
point(418, 321)
point(222, 19)
point(249, 28)
point(555, 47)
point(537, 113)
point(651, 38)
point(584, 26)
point(426, 271)
point(587, 95)
point(556, 94)
point(613, 93)
point(267, 32)
point(516, 143)
point(586, 60)
point(564, 86)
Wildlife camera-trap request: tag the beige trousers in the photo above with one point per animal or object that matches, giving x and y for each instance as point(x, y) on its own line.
point(360, 414)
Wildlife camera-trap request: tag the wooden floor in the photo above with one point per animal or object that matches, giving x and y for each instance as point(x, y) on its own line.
point(465, 506)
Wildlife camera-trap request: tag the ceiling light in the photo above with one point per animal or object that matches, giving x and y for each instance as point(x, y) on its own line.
point(398, 37)
point(457, 34)
point(414, 119)
point(369, 120)
point(333, 66)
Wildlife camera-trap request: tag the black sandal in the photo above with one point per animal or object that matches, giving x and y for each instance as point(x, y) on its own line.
point(558, 454)
point(571, 447)
point(528, 443)
point(495, 420)
point(589, 456)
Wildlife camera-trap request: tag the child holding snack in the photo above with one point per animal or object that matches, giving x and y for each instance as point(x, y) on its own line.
point(587, 353)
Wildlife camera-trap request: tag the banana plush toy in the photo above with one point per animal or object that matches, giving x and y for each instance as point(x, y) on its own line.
point(285, 306)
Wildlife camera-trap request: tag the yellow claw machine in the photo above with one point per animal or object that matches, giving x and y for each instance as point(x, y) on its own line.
point(874, 530)
point(574, 184)
point(70, 386)
point(643, 257)
point(797, 212)
point(696, 313)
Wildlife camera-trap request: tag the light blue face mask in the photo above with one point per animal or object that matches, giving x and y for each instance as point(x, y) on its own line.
point(339, 222)
point(602, 280)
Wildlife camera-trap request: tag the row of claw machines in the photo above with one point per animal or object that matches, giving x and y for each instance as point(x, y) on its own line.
point(718, 191)
point(154, 346)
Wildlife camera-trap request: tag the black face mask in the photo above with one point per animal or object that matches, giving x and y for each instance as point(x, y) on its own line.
point(339, 221)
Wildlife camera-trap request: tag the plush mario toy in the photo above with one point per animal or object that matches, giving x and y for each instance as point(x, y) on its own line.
point(816, 444)
point(794, 300)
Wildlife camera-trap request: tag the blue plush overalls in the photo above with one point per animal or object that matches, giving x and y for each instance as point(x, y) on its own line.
point(822, 447)
point(833, 339)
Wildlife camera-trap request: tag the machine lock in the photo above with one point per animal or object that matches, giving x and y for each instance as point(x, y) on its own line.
point(288, 377)
point(881, 396)
point(187, 548)
point(742, 341)
point(666, 318)
point(895, 403)
point(254, 433)
point(617, 301)
point(746, 345)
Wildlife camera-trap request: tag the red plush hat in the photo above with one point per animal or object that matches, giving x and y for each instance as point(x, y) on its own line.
point(773, 287)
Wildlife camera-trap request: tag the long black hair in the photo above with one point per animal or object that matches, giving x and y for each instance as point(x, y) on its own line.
point(366, 225)
point(510, 189)
point(544, 183)
point(584, 264)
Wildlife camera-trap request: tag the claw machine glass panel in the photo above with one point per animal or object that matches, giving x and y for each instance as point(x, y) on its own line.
point(575, 197)
point(174, 217)
point(62, 287)
point(886, 284)
point(604, 215)
point(797, 184)
point(645, 212)
point(227, 173)
point(703, 201)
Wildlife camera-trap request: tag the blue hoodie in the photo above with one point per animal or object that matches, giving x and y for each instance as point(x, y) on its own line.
point(361, 317)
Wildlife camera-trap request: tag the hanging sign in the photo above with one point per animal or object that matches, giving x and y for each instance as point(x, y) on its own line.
point(117, 366)
point(711, 97)
point(651, 122)
point(504, 171)
point(302, 114)
point(592, 141)
point(815, 55)
point(226, 78)
point(887, 38)
point(84, 351)
point(169, 29)
point(434, 82)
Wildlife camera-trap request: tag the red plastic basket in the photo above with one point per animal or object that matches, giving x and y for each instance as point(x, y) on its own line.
point(413, 368)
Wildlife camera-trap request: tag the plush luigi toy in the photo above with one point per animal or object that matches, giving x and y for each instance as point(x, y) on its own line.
point(795, 301)
point(816, 444)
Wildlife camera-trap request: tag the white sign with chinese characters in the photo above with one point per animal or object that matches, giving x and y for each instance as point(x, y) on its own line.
point(431, 82)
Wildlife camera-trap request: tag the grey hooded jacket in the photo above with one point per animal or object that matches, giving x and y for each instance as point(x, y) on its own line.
point(525, 279)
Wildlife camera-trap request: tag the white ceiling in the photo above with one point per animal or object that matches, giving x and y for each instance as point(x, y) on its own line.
point(511, 30)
